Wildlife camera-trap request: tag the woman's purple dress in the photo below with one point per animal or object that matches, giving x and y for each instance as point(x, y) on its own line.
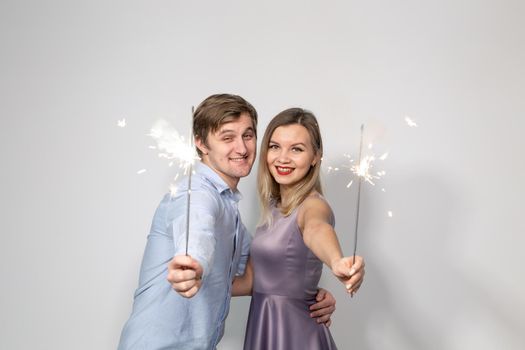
point(286, 274)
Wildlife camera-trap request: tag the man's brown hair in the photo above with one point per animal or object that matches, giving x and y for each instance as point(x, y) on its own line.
point(217, 110)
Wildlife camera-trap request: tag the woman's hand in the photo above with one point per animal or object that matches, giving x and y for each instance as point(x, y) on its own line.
point(350, 273)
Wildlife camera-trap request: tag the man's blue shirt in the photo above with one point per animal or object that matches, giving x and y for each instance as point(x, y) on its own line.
point(162, 319)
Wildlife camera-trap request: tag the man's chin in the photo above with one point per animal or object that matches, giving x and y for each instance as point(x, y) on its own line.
point(243, 172)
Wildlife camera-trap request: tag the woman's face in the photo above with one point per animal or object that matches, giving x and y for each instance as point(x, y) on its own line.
point(290, 154)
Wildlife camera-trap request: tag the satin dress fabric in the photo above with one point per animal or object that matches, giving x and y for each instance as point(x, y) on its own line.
point(286, 277)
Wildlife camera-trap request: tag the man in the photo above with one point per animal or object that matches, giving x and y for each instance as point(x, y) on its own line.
point(225, 135)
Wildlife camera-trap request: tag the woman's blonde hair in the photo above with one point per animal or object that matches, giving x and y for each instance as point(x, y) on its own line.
point(269, 191)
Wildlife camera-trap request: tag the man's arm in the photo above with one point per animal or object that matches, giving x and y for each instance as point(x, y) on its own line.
point(185, 273)
point(323, 309)
point(243, 285)
point(204, 211)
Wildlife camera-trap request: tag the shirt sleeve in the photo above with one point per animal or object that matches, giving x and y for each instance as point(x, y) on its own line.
point(245, 250)
point(204, 211)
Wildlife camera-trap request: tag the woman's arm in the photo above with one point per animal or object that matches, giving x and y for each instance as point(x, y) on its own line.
point(242, 285)
point(319, 236)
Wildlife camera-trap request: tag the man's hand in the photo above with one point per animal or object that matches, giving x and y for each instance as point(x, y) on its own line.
point(324, 308)
point(184, 275)
point(350, 275)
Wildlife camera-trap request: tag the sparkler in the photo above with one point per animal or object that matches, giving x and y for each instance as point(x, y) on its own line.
point(360, 170)
point(189, 188)
point(174, 147)
point(363, 171)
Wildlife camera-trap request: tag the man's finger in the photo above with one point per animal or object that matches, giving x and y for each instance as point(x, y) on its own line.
point(181, 261)
point(321, 294)
point(190, 293)
point(183, 287)
point(327, 311)
point(321, 304)
point(177, 276)
point(323, 319)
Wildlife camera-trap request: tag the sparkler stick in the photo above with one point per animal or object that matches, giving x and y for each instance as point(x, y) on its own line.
point(358, 195)
point(189, 186)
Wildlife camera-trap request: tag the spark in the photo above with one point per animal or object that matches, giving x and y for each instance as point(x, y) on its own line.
point(410, 122)
point(363, 170)
point(173, 146)
point(390, 214)
point(121, 123)
point(173, 190)
point(141, 171)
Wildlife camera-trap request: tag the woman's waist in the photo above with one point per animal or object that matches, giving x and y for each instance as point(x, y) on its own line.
point(307, 296)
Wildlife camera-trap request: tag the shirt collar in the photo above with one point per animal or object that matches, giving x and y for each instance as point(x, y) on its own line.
point(211, 176)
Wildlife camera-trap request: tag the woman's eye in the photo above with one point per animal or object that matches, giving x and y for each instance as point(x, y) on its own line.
point(297, 149)
point(273, 147)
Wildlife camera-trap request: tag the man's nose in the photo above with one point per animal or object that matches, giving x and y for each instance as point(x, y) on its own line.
point(240, 146)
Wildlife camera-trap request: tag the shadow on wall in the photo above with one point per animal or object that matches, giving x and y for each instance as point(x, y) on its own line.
point(416, 287)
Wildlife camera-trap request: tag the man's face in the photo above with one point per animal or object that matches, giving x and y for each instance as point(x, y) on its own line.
point(231, 150)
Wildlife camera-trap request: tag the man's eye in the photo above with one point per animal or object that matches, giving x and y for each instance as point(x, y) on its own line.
point(248, 136)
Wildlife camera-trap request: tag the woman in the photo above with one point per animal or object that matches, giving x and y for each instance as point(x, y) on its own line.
point(295, 238)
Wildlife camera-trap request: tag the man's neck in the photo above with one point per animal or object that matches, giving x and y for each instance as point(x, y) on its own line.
point(230, 181)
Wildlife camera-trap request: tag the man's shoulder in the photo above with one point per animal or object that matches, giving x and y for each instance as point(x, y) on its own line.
point(203, 193)
point(201, 183)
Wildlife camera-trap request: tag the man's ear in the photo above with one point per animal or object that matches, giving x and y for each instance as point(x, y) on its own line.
point(201, 145)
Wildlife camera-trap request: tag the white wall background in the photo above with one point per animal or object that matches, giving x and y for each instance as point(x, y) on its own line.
point(445, 272)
